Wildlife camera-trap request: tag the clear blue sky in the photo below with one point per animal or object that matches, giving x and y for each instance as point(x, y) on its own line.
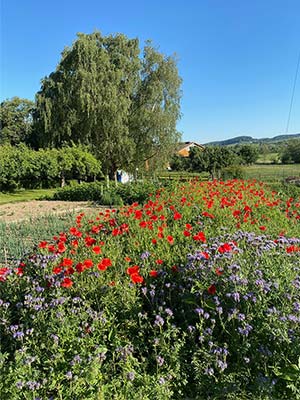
point(237, 58)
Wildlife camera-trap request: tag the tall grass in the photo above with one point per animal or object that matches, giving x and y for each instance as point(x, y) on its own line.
point(19, 237)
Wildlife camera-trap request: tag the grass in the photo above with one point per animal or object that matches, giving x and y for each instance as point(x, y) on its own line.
point(25, 195)
point(271, 173)
point(267, 158)
point(19, 237)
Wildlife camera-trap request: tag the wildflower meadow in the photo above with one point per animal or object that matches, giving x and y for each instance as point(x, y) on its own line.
point(192, 294)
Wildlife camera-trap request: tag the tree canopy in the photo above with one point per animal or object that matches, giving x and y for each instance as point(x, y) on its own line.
point(109, 95)
point(15, 120)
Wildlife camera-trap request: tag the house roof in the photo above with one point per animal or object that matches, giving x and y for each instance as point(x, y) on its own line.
point(183, 145)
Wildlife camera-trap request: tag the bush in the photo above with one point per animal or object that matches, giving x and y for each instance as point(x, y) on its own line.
point(114, 195)
point(80, 192)
point(233, 172)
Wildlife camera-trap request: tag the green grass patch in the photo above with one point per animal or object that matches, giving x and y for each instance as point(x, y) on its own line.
point(271, 173)
point(18, 238)
point(25, 195)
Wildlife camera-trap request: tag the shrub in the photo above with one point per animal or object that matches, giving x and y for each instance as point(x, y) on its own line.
point(233, 172)
point(80, 192)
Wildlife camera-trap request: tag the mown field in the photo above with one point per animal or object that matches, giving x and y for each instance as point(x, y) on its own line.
point(272, 173)
point(193, 294)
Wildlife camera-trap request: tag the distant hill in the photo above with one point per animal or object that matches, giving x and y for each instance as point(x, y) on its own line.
point(250, 139)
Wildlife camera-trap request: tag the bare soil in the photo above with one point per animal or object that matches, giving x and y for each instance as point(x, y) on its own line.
point(14, 212)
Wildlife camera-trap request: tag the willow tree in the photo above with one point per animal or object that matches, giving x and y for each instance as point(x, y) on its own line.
point(109, 95)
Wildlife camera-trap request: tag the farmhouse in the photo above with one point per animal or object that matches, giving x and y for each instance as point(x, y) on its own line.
point(184, 148)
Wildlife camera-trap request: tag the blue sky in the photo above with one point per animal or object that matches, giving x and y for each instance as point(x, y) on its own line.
point(237, 58)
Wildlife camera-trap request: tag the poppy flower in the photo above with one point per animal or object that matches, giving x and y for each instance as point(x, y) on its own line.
point(97, 249)
point(66, 283)
point(200, 237)
point(136, 278)
point(153, 273)
point(170, 239)
point(212, 289)
point(177, 216)
point(133, 270)
point(57, 270)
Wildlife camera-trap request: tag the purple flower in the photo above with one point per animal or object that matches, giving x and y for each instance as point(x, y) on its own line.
point(145, 255)
point(209, 371)
point(130, 376)
point(246, 330)
point(169, 312)
point(69, 375)
point(160, 360)
point(222, 365)
point(159, 321)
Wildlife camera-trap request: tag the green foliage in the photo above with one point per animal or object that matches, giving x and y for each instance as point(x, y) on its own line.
point(15, 120)
point(179, 163)
point(21, 167)
point(247, 153)
point(291, 153)
point(114, 195)
point(80, 192)
point(213, 318)
point(124, 105)
point(9, 169)
point(212, 159)
point(233, 172)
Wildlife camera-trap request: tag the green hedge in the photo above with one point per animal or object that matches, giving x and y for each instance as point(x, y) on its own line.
point(114, 195)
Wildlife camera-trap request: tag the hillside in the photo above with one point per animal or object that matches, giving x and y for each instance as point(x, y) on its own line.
point(250, 139)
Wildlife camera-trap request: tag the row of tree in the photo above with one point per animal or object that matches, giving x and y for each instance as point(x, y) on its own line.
point(106, 93)
point(22, 167)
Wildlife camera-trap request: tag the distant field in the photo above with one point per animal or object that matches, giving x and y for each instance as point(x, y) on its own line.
point(274, 172)
point(267, 158)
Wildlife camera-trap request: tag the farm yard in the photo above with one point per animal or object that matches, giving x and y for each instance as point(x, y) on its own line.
point(191, 294)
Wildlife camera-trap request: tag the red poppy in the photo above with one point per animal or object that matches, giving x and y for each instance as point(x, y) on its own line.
point(66, 283)
point(153, 273)
point(88, 263)
point(69, 271)
point(19, 271)
point(177, 215)
point(170, 239)
point(43, 245)
point(200, 237)
point(57, 270)
point(97, 249)
point(136, 278)
point(66, 262)
point(80, 267)
point(212, 289)
point(133, 270)
point(61, 248)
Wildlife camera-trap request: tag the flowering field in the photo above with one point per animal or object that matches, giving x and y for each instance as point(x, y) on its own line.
point(193, 295)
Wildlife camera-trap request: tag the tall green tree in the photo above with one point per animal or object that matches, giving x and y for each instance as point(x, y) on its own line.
point(213, 159)
point(107, 95)
point(15, 120)
point(291, 153)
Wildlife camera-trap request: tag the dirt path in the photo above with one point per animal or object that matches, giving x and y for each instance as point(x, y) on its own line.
point(14, 212)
